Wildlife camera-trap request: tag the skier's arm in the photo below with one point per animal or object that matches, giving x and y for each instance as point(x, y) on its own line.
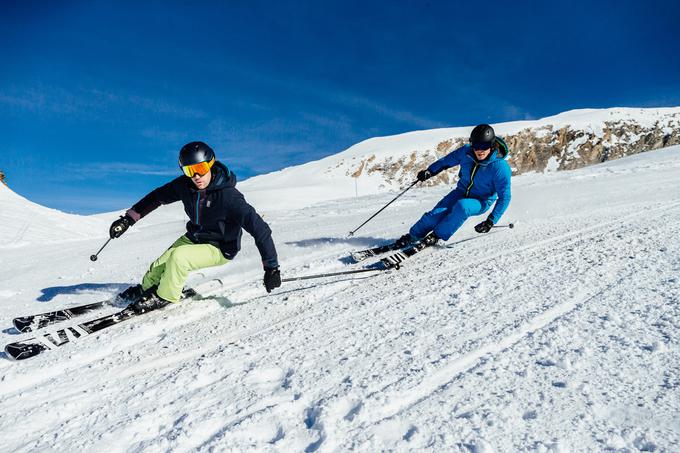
point(502, 185)
point(251, 221)
point(165, 194)
point(450, 160)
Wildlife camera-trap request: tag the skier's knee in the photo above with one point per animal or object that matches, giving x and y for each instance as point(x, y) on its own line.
point(179, 258)
point(462, 208)
point(460, 211)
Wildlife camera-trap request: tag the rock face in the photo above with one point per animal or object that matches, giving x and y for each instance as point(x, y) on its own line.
point(400, 170)
point(2, 177)
point(565, 148)
point(539, 148)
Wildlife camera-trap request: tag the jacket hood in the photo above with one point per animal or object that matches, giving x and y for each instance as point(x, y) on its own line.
point(502, 148)
point(493, 157)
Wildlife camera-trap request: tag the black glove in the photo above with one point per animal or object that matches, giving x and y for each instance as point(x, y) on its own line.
point(120, 226)
point(424, 175)
point(484, 227)
point(272, 278)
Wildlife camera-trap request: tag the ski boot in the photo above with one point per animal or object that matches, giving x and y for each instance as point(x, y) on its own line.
point(148, 303)
point(430, 239)
point(404, 241)
point(132, 294)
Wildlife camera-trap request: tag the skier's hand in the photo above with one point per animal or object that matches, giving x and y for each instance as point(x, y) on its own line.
point(272, 278)
point(484, 227)
point(120, 226)
point(424, 175)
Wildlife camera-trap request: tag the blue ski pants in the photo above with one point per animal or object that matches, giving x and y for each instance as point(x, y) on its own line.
point(448, 215)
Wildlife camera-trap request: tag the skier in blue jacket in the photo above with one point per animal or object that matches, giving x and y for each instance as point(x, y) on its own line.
point(484, 179)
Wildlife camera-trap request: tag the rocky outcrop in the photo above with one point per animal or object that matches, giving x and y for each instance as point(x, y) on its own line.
point(566, 148)
point(534, 149)
point(2, 178)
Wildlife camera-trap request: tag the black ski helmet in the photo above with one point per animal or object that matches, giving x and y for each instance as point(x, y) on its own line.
point(195, 153)
point(482, 133)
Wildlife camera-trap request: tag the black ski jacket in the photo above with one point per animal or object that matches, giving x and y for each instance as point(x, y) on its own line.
point(216, 214)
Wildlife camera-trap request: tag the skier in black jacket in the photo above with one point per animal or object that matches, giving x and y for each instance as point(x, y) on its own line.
point(217, 214)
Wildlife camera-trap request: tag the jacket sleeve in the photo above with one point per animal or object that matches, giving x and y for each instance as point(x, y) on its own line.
point(166, 194)
point(251, 221)
point(450, 160)
point(502, 185)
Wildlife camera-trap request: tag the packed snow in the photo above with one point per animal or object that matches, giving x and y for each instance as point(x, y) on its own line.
point(558, 335)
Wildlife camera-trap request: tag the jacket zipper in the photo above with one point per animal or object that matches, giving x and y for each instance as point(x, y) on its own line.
point(198, 200)
point(472, 179)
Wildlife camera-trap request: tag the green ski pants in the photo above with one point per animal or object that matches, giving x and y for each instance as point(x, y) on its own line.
point(172, 268)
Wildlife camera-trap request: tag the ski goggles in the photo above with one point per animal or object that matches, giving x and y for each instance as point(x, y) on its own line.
point(481, 146)
point(199, 169)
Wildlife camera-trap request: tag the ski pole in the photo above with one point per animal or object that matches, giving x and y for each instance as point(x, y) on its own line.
point(332, 274)
point(94, 257)
point(509, 225)
point(351, 233)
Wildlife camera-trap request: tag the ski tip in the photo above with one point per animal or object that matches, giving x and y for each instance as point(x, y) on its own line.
point(22, 351)
point(22, 325)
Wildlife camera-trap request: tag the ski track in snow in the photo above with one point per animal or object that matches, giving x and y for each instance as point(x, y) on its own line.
point(557, 336)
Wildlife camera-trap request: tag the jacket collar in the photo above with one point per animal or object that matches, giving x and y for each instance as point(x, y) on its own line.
point(493, 157)
point(222, 178)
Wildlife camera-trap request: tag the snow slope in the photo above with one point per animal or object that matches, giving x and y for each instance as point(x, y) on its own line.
point(559, 335)
point(26, 223)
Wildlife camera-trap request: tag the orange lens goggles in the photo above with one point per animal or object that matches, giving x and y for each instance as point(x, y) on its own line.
point(199, 169)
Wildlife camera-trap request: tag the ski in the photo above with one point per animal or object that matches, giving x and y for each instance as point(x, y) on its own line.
point(361, 255)
point(395, 260)
point(31, 347)
point(34, 322)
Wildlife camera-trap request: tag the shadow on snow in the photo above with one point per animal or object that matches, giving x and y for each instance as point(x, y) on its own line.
point(50, 293)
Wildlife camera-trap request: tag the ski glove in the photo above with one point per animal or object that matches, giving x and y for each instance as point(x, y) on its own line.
point(484, 227)
point(272, 278)
point(424, 175)
point(120, 226)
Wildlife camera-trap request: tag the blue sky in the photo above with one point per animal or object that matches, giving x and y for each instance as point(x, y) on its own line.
point(96, 98)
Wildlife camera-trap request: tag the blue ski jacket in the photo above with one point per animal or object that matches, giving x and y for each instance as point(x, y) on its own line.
point(487, 181)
